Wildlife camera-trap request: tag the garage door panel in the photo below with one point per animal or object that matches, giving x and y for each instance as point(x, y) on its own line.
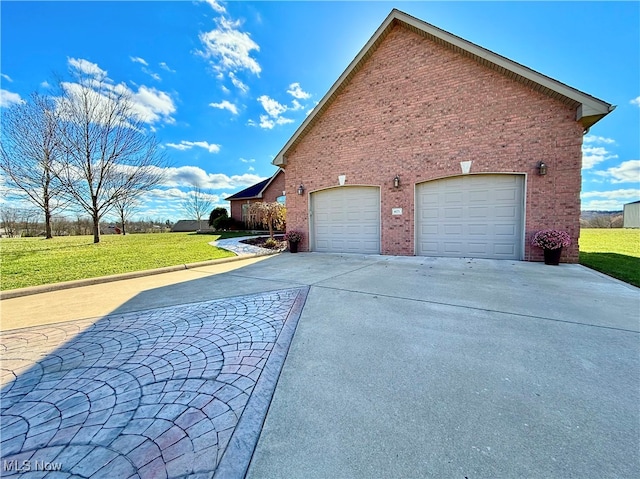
point(504, 249)
point(478, 248)
point(452, 247)
point(505, 212)
point(478, 211)
point(474, 215)
point(475, 230)
point(453, 229)
point(346, 220)
point(506, 230)
point(482, 195)
point(502, 195)
point(450, 213)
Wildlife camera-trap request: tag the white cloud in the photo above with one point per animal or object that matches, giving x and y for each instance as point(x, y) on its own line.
point(237, 83)
point(229, 48)
point(274, 111)
point(88, 68)
point(283, 121)
point(599, 140)
point(225, 105)
point(45, 84)
point(6, 77)
point(152, 105)
point(187, 145)
point(244, 160)
point(271, 106)
point(608, 200)
point(265, 122)
point(592, 155)
point(8, 98)
point(216, 6)
point(296, 91)
point(164, 66)
point(251, 168)
point(626, 172)
point(142, 61)
point(635, 101)
point(148, 104)
point(144, 64)
point(625, 194)
point(184, 176)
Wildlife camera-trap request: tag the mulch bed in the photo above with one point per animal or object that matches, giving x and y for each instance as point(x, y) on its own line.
point(281, 244)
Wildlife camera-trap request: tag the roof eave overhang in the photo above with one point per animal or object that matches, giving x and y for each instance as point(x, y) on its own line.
point(589, 109)
point(244, 198)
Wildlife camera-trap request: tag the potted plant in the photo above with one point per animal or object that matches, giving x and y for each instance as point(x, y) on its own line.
point(293, 237)
point(552, 242)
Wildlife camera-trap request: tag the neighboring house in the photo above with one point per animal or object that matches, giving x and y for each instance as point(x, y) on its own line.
point(430, 145)
point(269, 190)
point(631, 215)
point(185, 226)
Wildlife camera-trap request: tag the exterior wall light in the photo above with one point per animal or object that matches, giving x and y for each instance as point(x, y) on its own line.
point(396, 182)
point(542, 168)
point(301, 189)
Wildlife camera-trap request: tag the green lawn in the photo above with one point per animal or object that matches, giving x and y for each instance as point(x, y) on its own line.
point(614, 251)
point(34, 261)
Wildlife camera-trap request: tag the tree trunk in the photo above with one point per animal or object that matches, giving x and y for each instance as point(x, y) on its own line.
point(96, 228)
point(47, 222)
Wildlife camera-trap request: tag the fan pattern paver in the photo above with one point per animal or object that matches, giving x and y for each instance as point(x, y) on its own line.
point(149, 394)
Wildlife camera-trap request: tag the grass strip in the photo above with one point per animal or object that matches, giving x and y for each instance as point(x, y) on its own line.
point(614, 252)
point(35, 261)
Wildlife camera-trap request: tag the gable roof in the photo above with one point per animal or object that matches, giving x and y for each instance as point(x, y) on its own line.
point(254, 191)
point(589, 109)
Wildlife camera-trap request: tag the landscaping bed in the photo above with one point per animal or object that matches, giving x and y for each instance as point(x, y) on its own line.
point(278, 243)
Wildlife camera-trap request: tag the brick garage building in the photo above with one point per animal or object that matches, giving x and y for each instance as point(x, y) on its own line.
point(269, 190)
point(430, 145)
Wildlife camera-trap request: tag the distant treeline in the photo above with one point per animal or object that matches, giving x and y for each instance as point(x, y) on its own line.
point(601, 219)
point(24, 222)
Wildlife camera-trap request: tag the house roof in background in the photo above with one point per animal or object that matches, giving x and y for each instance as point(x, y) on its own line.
point(589, 109)
point(254, 191)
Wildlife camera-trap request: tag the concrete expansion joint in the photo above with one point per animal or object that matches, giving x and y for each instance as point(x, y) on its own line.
point(475, 308)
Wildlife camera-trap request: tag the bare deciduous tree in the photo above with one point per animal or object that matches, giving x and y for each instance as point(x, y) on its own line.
point(9, 217)
point(108, 156)
point(124, 208)
point(197, 204)
point(269, 215)
point(29, 150)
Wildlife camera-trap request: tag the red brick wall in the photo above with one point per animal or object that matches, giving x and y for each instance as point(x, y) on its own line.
point(417, 109)
point(275, 189)
point(270, 194)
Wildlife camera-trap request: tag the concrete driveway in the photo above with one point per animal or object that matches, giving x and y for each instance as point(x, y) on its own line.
point(399, 367)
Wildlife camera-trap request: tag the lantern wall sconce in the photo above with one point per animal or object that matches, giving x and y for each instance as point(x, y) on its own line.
point(542, 168)
point(396, 182)
point(301, 189)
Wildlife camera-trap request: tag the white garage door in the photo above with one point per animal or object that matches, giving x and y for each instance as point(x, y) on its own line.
point(346, 220)
point(479, 216)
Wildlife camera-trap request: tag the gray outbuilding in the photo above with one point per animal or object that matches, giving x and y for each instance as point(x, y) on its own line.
point(631, 215)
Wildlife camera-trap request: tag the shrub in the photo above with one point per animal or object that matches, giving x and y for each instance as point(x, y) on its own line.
point(219, 212)
point(224, 223)
point(271, 243)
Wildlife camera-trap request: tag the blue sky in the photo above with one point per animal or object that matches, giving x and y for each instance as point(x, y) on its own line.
point(225, 84)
